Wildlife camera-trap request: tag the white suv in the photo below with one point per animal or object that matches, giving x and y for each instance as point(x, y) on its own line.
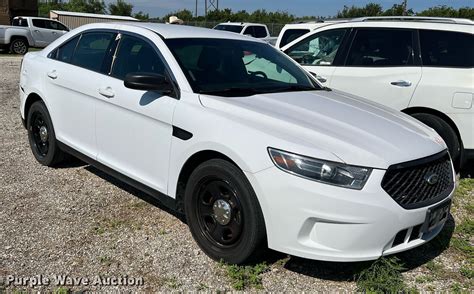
point(231, 131)
point(421, 66)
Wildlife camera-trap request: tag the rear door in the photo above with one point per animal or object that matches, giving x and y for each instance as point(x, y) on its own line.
point(380, 65)
point(72, 81)
point(39, 32)
point(134, 127)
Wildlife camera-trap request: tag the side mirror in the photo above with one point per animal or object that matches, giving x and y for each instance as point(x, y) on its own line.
point(148, 82)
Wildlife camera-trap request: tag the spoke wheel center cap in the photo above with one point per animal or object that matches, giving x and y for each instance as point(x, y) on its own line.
point(222, 211)
point(43, 132)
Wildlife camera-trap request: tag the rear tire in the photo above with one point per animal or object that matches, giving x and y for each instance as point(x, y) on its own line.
point(19, 46)
point(223, 212)
point(446, 132)
point(41, 135)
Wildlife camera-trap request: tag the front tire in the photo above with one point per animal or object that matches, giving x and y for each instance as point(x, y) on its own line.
point(223, 212)
point(19, 46)
point(446, 132)
point(41, 135)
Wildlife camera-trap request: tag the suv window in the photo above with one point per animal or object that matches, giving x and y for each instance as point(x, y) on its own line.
point(20, 22)
point(249, 31)
point(66, 51)
point(91, 49)
point(318, 49)
point(260, 32)
point(39, 23)
point(449, 49)
point(381, 47)
point(136, 55)
point(291, 35)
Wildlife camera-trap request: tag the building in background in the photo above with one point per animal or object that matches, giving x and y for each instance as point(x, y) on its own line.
point(76, 19)
point(11, 8)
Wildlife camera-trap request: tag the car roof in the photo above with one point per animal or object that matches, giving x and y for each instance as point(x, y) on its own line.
point(172, 31)
point(241, 24)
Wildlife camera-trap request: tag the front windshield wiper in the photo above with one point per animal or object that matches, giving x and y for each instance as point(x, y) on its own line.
point(232, 92)
point(294, 88)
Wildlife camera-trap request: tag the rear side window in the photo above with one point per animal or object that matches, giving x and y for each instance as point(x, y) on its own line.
point(291, 35)
point(20, 22)
point(39, 23)
point(91, 50)
point(136, 55)
point(260, 32)
point(447, 49)
point(381, 48)
point(54, 25)
point(66, 51)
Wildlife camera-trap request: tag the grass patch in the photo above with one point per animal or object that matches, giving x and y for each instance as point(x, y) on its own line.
point(105, 260)
point(467, 271)
point(383, 276)
point(466, 227)
point(114, 224)
point(435, 267)
point(61, 290)
point(173, 283)
point(244, 277)
point(424, 279)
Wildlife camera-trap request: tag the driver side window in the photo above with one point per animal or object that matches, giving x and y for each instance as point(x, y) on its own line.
point(318, 49)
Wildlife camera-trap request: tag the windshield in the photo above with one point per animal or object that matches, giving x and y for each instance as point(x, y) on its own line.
point(229, 28)
point(237, 68)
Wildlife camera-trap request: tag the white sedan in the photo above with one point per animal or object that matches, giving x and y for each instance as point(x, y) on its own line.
point(240, 138)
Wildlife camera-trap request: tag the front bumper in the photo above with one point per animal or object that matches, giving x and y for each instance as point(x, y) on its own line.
point(318, 221)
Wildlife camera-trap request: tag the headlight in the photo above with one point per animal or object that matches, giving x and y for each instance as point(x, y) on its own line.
point(328, 172)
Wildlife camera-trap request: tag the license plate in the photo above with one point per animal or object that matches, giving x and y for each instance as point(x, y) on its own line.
point(436, 215)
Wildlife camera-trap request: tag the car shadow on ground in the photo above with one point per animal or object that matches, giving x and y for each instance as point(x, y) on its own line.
point(347, 271)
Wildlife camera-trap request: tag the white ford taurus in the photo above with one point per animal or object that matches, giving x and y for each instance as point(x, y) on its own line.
point(240, 138)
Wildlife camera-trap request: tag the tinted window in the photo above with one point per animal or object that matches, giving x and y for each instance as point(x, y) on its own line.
point(66, 51)
point(291, 35)
point(39, 23)
point(91, 50)
point(54, 25)
point(136, 55)
point(20, 22)
point(318, 49)
point(260, 32)
point(449, 49)
point(249, 31)
point(372, 48)
point(229, 28)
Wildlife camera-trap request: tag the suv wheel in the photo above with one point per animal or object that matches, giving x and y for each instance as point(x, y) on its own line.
point(19, 46)
point(223, 213)
point(446, 132)
point(41, 135)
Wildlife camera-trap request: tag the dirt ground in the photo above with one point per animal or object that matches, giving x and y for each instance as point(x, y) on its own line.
point(77, 221)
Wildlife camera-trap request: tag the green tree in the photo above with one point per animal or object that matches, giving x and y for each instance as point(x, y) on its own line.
point(371, 9)
point(45, 7)
point(184, 14)
point(121, 8)
point(447, 11)
point(141, 15)
point(88, 6)
point(397, 10)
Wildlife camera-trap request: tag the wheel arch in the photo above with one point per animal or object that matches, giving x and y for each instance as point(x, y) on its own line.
point(190, 165)
point(441, 115)
point(16, 37)
point(32, 98)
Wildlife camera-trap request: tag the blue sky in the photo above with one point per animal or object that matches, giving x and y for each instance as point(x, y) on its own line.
point(297, 7)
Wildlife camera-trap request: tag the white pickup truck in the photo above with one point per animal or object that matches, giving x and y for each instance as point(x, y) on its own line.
point(28, 32)
point(256, 30)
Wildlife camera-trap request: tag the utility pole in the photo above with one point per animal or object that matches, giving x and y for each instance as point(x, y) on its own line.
point(196, 11)
point(404, 7)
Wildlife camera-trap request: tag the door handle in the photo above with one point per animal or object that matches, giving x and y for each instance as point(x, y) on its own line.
point(37, 31)
point(401, 83)
point(52, 75)
point(318, 77)
point(106, 92)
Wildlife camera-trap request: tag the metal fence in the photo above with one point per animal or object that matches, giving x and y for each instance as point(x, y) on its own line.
point(274, 28)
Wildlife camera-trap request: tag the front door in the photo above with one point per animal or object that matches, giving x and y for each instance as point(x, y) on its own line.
point(134, 127)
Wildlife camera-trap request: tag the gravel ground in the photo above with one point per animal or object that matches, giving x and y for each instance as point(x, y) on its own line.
point(76, 221)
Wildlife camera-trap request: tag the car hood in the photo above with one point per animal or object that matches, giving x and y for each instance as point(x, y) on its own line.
point(355, 130)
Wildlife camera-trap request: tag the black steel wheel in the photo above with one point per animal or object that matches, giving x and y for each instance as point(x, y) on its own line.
point(41, 135)
point(223, 212)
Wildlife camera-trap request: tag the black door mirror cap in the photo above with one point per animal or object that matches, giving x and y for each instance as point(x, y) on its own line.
point(148, 82)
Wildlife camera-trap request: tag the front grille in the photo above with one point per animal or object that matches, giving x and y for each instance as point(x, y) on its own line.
point(421, 182)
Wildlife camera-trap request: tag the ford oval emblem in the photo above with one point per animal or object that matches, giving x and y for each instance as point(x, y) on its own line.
point(431, 178)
